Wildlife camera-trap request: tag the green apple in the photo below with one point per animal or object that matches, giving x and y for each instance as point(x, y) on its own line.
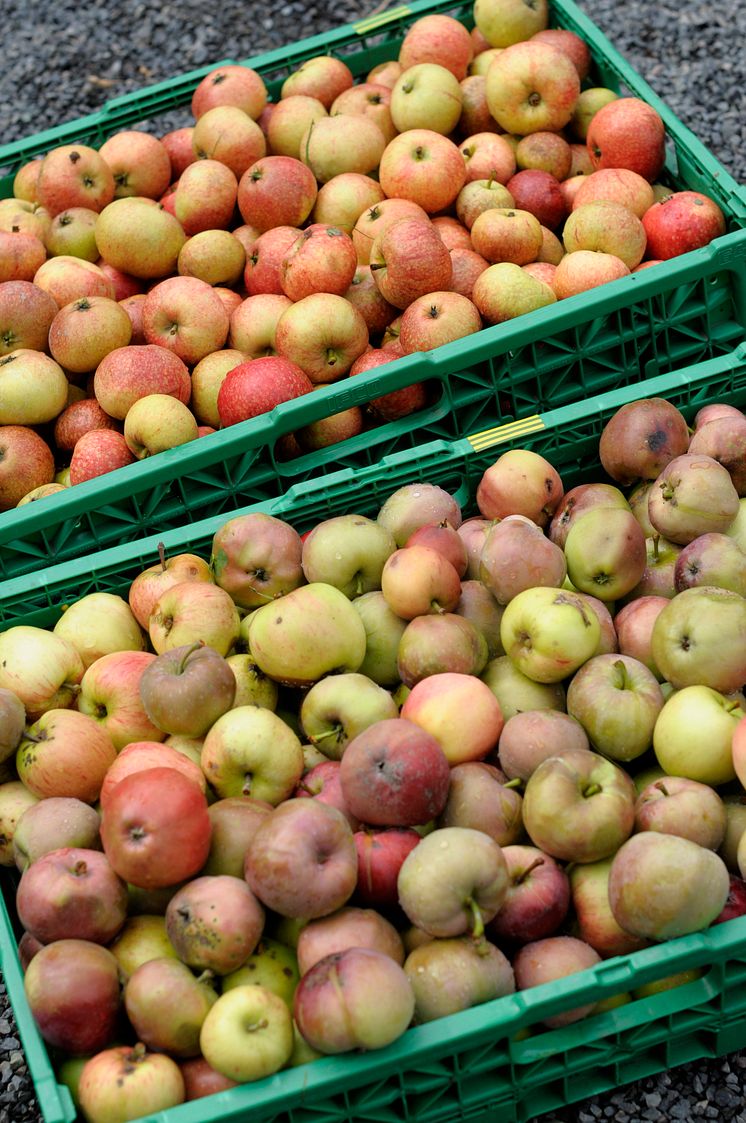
point(518, 693)
point(251, 751)
point(617, 701)
point(349, 552)
point(158, 422)
point(272, 965)
point(248, 1034)
point(339, 707)
point(549, 633)
point(307, 634)
point(693, 735)
point(99, 624)
point(699, 638)
point(383, 631)
point(605, 552)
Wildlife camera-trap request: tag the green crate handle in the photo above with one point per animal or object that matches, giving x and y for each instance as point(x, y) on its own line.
point(58, 1103)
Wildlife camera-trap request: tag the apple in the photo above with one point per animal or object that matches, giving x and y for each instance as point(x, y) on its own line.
point(424, 167)
point(56, 823)
point(380, 855)
point(348, 928)
point(42, 669)
point(627, 133)
point(158, 422)
point(186, 689)
point(589, 887)
point(456, 974)
point(276, 191)
point(675, 805)
point(139, 237)
point(537, 899)
point(33, 388)
point(148, 586)
point(516, 692)
point(205, 196)
point(12, 723)
point(252, 751)
point(344, 142)
point(156, 831)
point(504, 568)
point(549, 633)
point(551, 959)
point(418, 580)
point(477, 798)
point(634, 627)
point(394, 774)
point(73, 232)
point(697, 639)
point(339, 707)
point(460, 711)
point(323, 334)
point(272, 965)
point(127, 1081)
point(72, 988)
point(230, 85)
point(214, 923)
point(256, 558)
point(647, 901)
point(539, 193)
point(577, 501)
point(409, 260)
point(234, 821)
point(436, 644)
point(302, 860)
point(336, 1006)
point(681, 222)
point(605, 227)
point(74, 175)
point(166, 1006)
point(307, 633)
point(724, 439)
point(529, 737)
point(440, 39)
point(702, 717)
point(641, 439)
point(619, 724)
point(191, 611)
point(26, 314)
point(184, 315)
point(65, 753)
point(71, 892)
point(110, 694)
point(384, 630)
point(578, 806)
point(322, 77)
point(253, 326)
point(229, 136)
point(141, 939)
point(15, 800)
point(453, 882)
point(426, 96)
point(322, 259)
point(371, 100)
point(99, 624)
point(26, 462)
point(290, 118)
point(532, 86)
point(711, 559)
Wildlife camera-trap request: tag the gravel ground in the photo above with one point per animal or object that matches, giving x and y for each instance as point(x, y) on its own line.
point(65, 59)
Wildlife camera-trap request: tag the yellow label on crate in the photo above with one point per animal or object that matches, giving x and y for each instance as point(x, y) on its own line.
point(379, 20)
point(514, 430)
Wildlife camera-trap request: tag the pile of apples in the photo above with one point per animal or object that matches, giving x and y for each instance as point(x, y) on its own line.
point(287, 802)
point(157, 290)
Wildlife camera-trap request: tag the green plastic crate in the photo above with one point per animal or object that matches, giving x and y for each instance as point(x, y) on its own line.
point(688, 310)
point(468, 1066)
point(568, 437)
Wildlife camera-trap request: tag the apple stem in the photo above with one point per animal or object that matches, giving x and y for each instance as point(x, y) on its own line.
point(516, 782)
point(261, 1024)
point(207, 976)
point(662, 787)
point(477, 931)
point(359, 585)
point(32, 738)
point(162, 556)
point(334, 732)
point(622, 675)
point(189, 651)
point(594, 789)
point(656, 540)
point(534, 865)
